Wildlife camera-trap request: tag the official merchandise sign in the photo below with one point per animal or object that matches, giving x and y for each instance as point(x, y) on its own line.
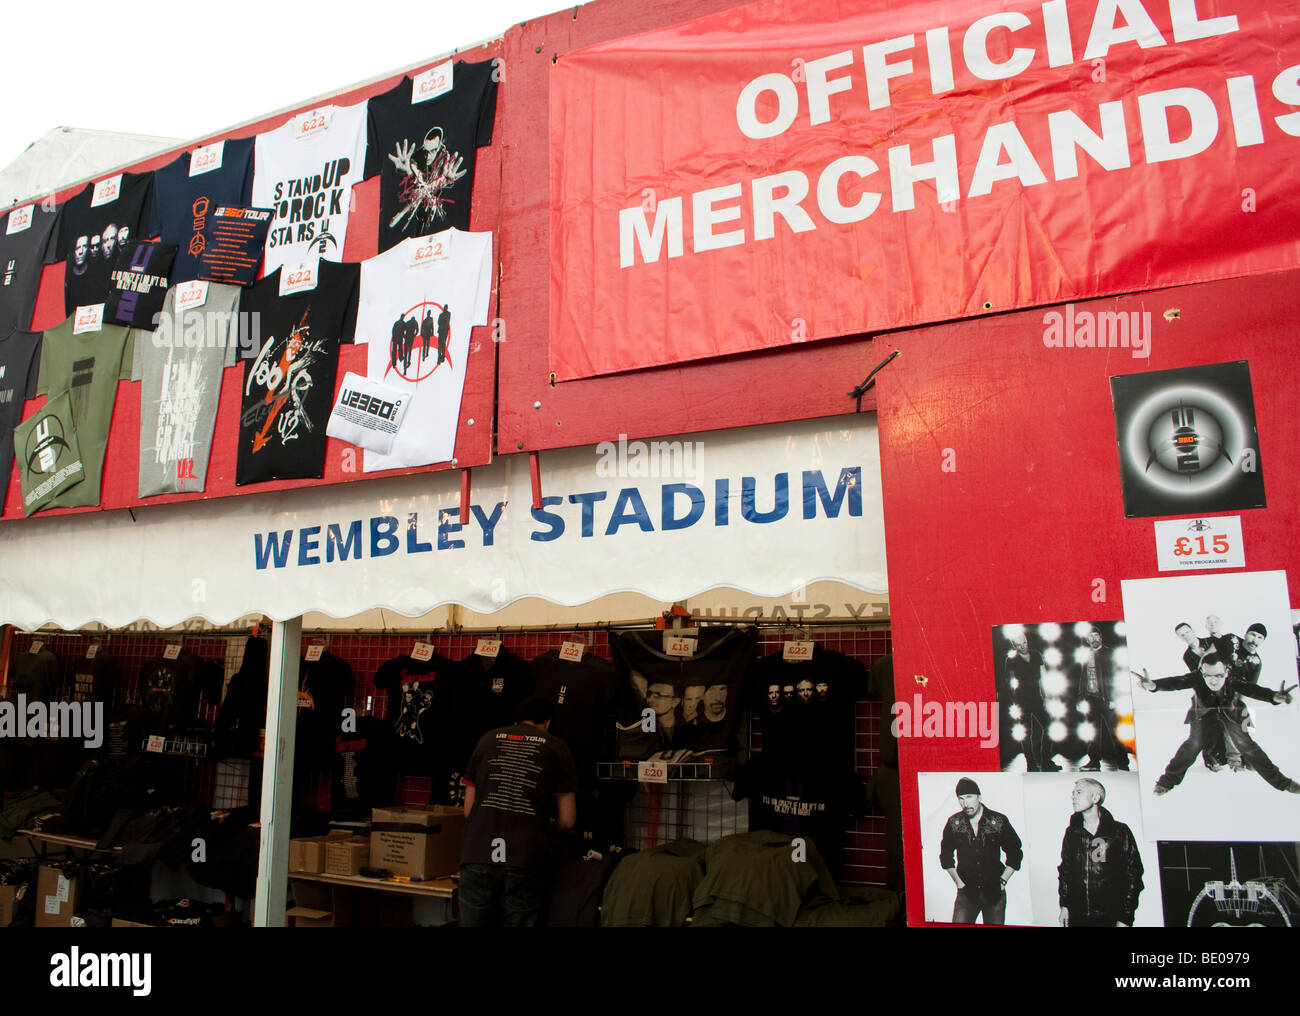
point(797, 169)
point(660, 523)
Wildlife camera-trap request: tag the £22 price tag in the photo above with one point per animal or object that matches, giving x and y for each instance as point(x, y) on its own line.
point(313, 123)
point(20, 218)
point(797, 652)
point(106, 191)
point(431, 249)
point(37, 646)
point(432, 83)
point(207, 158)
point(572, 652)
point(313, 653)
point(155, 743)
point(172, 651)
point(189, 295)
point(423, 652)
point(89, 318)
point(1188, 544)
point(299, 278)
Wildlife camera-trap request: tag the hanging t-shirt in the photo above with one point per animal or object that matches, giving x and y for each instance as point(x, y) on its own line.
point(29, 240)
point(418, 712)
point(418, 304)
point(20, 367)
point(482, 693)
point(365, 773)
point(234, 239)
point(179, 367)
point(88, 367)
point(289, 386)
point(50, 461)
point(324, 685)
point(137, 286)
point(94, 227)
point(188, 190)
point(583, 694)
point(424, 152)
point(305, 170)
point(95, 680)
point(170, 691)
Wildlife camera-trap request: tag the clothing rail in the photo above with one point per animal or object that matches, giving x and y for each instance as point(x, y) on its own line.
point(648, 624)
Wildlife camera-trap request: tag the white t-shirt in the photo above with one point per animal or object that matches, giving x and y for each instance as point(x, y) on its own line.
point(418, 302)
point(305, 170)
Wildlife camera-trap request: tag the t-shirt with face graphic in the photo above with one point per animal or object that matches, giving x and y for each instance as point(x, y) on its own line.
point(94, 227)
point(424, 152)
point(28, 241)
point(696, 700)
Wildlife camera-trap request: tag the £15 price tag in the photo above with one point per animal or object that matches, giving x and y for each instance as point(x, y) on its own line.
point(652, 772)
point(423, 652)
point(155, 743)
point(89, 318)
point(430, 250)
point(20, 218)
point(678, 645)
point(797, 652)
point(313, 123)
point(488, 647)
point(572, 652)
point(299, 278)
point(1188, 544)
point(172, 651)
point(313, 653)
point(207, 158)
point(106, 191)
point(37, 646)
point(188, 295)
point(432, 83)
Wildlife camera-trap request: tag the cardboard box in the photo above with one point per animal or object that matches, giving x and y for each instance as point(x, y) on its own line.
point(319, 906)
point(346, 857)
point(56, 898)
point(8, 903)
point(308, 854)
point(121, 922)
point(417, 842)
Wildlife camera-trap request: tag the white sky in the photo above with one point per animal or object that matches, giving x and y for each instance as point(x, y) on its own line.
point(183, 69)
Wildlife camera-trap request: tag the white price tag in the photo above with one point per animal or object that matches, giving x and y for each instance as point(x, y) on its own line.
point(488, 647)
point(189, 295)
point(1188, 544)
point(431, 249)
point(61, 893)
point(172, 651)
point(88, 319)
point(423, 652)
point(106, 191)
point(20, 218)
point(798, 652)
point(206, 158)
point(652, 772)
point(313, 123)
point(92, 650)
point(37, 646)
point(155, 743)
point(51, 904)
point(432, 83)
point(298, 278)
point(313, 653)
point(572, 651)
point(678, 645)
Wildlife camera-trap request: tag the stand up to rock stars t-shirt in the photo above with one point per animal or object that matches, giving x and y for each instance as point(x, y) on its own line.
point(305, 170)
point(29, 240)
point(424, 135)
point(179, 367)
point(305, 312)
point(190, 188)
point(93, 229)
point(19, 371)
point(419, 302)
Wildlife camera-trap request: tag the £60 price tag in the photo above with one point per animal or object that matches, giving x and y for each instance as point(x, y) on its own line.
point(1188, 544)
point(488, 647)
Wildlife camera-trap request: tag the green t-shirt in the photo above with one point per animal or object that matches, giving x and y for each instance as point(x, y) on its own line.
point(49, 462)
point(87, 367)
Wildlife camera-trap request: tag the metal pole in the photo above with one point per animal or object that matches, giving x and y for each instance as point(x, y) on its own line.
point(277, 774)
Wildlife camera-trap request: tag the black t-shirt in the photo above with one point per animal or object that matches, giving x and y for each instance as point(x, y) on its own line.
point(583, 694)
point(183, 204)
point(424, 152)
point(20, 368)
point(234, 237)
point(697, 700)
point(324, 685)
point(516, 772)
point(482, 693)
point(365, 769)
point(95, 681)
point(417, 713)
point(289, 386)
point(33, 244)
point(89, 238)
point(138, 285)
point(170, 691)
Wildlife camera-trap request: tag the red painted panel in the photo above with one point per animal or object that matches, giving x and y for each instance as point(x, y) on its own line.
point(1030, 516)
point(342, 461)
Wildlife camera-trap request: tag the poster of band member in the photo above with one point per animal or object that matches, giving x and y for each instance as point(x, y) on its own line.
point(1230, 885)
point(973, 848)
point(1214, 682)
point(1064, 701)
point(1187, 440)
point(1089, 865)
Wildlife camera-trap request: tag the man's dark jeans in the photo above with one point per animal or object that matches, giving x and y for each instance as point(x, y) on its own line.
point(492, 895)
point(969, 905)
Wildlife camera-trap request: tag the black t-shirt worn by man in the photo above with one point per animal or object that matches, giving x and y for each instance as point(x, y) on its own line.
point(91, 237)
point(183, 204)
point(516, 773)
point(28, 242)
point(424, 152)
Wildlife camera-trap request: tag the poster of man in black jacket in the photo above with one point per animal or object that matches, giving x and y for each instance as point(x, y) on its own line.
point(980, 851)
point(1100, 876)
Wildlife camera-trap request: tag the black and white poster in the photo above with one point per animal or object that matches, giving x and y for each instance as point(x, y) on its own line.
point(1088, 862)
point(1230, 885)
point(973, 848)
point(1213, 660)
point(1064, 699)
point(1187, 440)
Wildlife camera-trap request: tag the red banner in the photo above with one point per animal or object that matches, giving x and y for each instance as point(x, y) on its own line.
point(799, 169)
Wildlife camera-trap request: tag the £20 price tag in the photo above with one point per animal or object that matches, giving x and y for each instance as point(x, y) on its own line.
point(155, 743)
point(652, 772)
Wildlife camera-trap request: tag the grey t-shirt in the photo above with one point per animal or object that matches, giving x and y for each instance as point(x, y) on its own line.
point(179, 367)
